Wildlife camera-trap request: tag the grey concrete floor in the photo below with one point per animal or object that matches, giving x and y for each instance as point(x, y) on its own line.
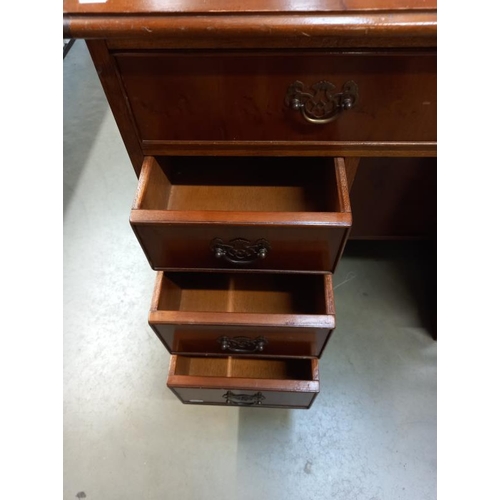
point(371, 434)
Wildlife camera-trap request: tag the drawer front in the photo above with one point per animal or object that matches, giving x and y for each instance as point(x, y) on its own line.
point(192, 246)
point(242, 398)
point(244, 382)
point(311, 96)
point(228, 340)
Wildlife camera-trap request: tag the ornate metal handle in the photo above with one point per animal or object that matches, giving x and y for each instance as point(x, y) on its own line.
point(242, 345)
point(243, 399)
point(322, 105)
point(239, 250)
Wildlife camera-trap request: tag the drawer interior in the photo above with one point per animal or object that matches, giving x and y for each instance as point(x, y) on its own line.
point(286, 369)
point(255, 184)
point(243, 293)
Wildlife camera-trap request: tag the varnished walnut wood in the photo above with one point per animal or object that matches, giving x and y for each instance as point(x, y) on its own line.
point(244, 368)
point(236, 293)
point(287, 148)
point(294, 313)
point(207, 80)
point(285, 382)
point(302, 40)
point(154, 7)
point(238, 24)
point(325, 24)
point(243, 93)
point(111, 83)
point(395, 198)
point(305, 218)
point(351, 167)
point(372, 29)
point(254, 23)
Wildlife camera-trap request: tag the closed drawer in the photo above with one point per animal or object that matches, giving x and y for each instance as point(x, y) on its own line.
point(260, 314)
point(242, 213)
point(241, 96)
point(291, 383)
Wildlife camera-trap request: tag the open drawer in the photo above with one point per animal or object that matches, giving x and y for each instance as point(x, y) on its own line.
point(292, 383)
point(242, 213)
point(223, 313)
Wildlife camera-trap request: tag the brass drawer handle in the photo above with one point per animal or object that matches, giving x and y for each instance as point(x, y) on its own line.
point(243, 399)
point(322, 105)
point(242, 345)
point(239, 250)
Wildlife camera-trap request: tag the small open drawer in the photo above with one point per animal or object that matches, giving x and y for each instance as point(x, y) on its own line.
point(292, 383)
point(223, 313)
point(242, 213)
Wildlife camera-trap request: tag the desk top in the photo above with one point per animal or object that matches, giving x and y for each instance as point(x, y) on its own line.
point(240, 6)
point(321, 23)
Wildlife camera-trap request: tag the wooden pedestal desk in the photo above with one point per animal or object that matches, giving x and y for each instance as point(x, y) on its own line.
point(256, 128)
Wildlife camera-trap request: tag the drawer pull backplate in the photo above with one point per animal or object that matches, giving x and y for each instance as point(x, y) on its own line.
point(321, 105)
point(242, 345)
point(239, 250)
point(243, 399)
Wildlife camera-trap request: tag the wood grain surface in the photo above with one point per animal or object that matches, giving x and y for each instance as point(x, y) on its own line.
point(283, 382)
point(226, 6)
point(180, 236)
point(198, 93)
point(395, 198)
point(111, 83)
point(241, 96)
